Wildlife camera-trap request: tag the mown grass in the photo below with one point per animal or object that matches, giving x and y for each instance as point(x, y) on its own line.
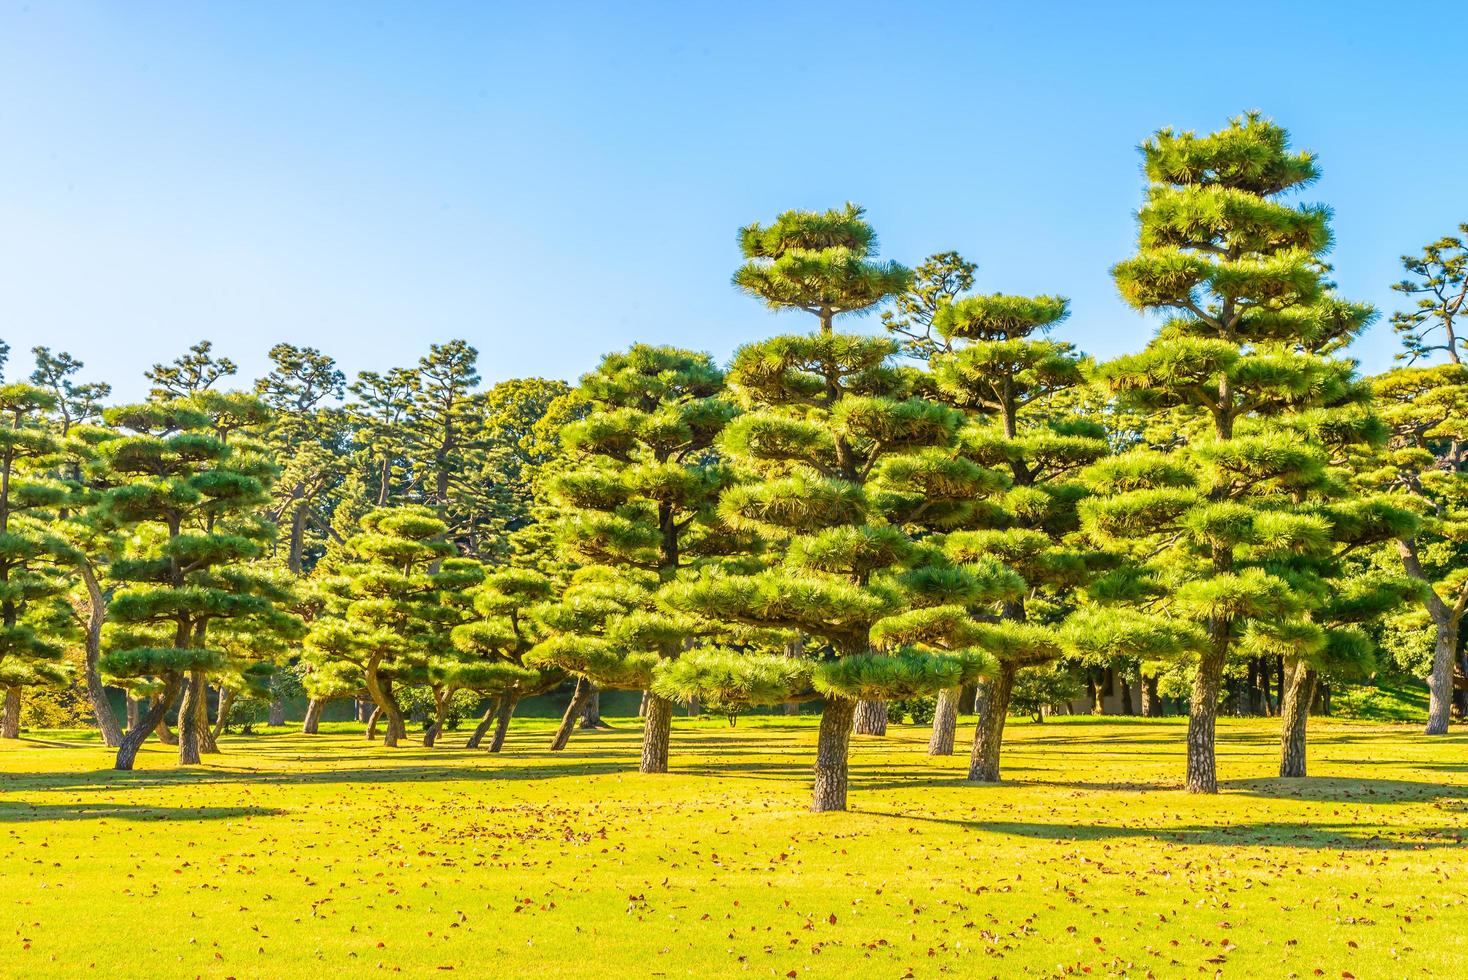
point(297, 856)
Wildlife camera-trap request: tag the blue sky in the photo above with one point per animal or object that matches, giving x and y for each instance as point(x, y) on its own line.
point(552, 181)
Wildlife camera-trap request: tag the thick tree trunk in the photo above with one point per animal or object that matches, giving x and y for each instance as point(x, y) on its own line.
point(502, 722)
point(311, 724)
point(1151, 703)
point(591, 714)
point(189, 735)
point(573, 711)
point(993, 705)
point(207, 742)
point(372, 722)
point(1126, 698)
point(656, 731)
point(165, 734)
point(1203, 713)
point(1440, 681)
point(96, 693)
point(153, 718)
point(132, 712)
point(870, 718)
point(381, 692)
point(945, 722)
point(1295, 715)
point(481, 729)
point(276, 718)
point(10, 721)
point(832, 747)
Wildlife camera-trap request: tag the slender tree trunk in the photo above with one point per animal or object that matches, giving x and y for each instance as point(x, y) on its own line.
point(311, 724)
point(189, 735)
point(945, 722)
point(1440, 681)
point(477, 736)
point(372, 723)
point(276, 718)
point(153, 718)
point(993, 705)
point(10, 721)
point(832, 747)
point(591, 714)
point(1294, 716)
point(440, 715)
point(870, 718)
point(573, 711)
point(1126, 697)
point(1203, 712)
point(221, 716)
point(96, 693)
point(656, 731)
point(642, 705)
point(1151, 703)
point(132, 712)
point(382, 695)
point(207, 742)
point(502, 722)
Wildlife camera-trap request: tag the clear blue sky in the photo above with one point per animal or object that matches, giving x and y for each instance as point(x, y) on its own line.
point(552, 181)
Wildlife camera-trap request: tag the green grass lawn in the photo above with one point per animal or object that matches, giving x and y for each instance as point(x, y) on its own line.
point(297, 856)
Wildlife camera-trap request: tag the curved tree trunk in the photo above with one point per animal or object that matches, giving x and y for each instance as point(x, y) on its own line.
point(311, 724)
point(221, 715)
point(573, 711)
point(502, 722)
point(381, 692)
point(153, 718)
point(190, 734)
point(372, 722)
point(870, 718)
point(1295, 715)
point(276, 718)
point(96, 693)
point(481, 729)
point(591, 714)
point(10, 721)
point(1440, 681)
point(945, 722)
point(656, 731)
point(166, 735)
point(832, 748)
point(993, 709)
point(1203, 712)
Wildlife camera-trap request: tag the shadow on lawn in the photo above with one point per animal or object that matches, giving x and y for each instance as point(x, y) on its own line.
point(49, 812)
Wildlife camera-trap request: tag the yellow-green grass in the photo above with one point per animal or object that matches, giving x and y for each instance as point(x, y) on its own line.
point(292, 855)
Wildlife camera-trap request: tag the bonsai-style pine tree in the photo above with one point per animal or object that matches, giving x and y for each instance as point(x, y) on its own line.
point(189, 500)
point(384, 610)
point(1239, 270)
point(494, 648)
point(30, 551)
point(1439, 280)
point(1004, 374)
point(1426, 464)
point(642, 491)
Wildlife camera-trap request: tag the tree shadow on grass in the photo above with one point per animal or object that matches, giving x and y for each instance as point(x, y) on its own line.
point(1346, 789)
point(51, 812)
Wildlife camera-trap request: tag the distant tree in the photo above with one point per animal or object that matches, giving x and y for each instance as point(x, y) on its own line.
point(1439, 280)
point(378, 411)
point(196, 371)
point(938, 281)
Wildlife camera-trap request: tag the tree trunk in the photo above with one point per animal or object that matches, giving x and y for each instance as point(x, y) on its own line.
point(96, 693)
point(832, 747)
point(1103, 685)
point(656, 731)
point(207, 743)
point(440, 715)
point(477, 736)
point(870, 718)
point(10, 722)
point(189, 735)
point(945, 722)
point(1440, 681)
point(132, 712)
point(153, 718)
point(1151, 703)
point(1203, 712)
point(381, 692)
point(502, 722)
point(1295, 714)
point(591, 714)
point(221, 717)
point(642, 705)
point(573, 711)
point(276, 718)
point(993, 705)
point(311, 724)
point(372, 722)
point(1126, 698)
point(165, 734)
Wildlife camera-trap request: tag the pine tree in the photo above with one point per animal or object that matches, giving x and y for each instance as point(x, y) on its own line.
point(190, 500)
point(31, 554)
point(1006, 376)
point(642, 492)
point(1440, 281)
point(1239, 270)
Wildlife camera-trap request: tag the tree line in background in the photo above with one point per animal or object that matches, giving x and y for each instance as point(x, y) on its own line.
point(960, 512)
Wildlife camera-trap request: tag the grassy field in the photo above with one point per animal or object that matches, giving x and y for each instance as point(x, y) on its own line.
point(326, 856)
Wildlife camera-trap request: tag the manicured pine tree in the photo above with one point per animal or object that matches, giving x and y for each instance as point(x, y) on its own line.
point(1001, 371)
point(190, 501)
point(1239, 269)
point(1439, 279)
point(378, 412)
point(31, 554)
point(642, 490)
point(384, 610)
point(494, 648)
